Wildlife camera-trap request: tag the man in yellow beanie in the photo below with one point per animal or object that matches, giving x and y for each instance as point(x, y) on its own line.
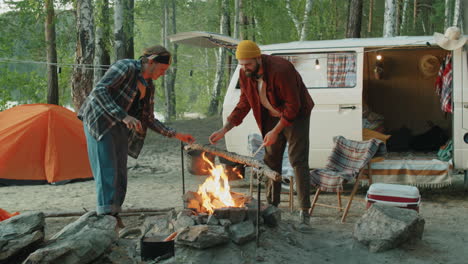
point(281, 104)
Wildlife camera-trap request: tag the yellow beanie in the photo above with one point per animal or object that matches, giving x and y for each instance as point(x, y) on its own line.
point(247, 49)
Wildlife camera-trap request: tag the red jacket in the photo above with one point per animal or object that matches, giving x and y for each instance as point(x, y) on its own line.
point(285, 91)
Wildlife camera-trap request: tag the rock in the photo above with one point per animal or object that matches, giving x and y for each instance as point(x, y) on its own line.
point(222, 213)
point(212, 220)
point(21, 234)
point(224, 222)
point(202, 236)
point(157, 225)
point(237, 214)
point(271, 216)
point(182, 222)
point(82, 241)
point(242, 233)
point(122, 252)
point(386, 227)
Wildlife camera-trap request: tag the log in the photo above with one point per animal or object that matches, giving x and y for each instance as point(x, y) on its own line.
point(263, 169)
point(126, 212)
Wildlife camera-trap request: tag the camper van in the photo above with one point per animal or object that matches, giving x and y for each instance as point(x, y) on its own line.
point(386, 85)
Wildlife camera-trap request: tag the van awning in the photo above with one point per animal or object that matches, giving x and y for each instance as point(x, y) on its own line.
point(204, 39)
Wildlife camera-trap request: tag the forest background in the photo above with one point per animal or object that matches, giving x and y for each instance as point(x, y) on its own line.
point(54, 51)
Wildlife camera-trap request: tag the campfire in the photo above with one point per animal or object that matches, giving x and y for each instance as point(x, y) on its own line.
point(215, 192)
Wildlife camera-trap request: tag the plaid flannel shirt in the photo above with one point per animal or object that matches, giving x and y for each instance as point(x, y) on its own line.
point(109, 101)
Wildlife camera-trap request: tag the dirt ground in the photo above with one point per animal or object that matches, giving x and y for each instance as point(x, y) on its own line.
point(155, 181)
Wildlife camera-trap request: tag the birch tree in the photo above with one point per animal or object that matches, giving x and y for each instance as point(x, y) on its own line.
point(456, 13)
point(119, 30)
point(170, 78)
point(52, 78)
point(218, 83)
point(82, 80)
point(389, 19)
point(102, 41)
point(302, 26)
point(403, 15)
point(353, 29)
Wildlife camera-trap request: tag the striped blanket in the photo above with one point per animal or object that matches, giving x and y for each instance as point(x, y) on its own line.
point(420, 172)
point(347, 159)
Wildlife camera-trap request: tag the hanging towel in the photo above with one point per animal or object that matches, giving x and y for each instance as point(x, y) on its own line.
point(444, 85)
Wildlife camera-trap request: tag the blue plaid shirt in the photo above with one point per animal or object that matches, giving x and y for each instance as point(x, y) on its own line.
point(109, 102)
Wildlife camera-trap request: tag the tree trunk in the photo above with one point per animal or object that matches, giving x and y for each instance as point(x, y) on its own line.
point(237, 5)
point(415, 13)
point(397, 18)
point(52, 78)
point(102, 56)
point(464, 28)
point(220, 65)
point(244, 22)
point(403, 15)
point(291, 14)
point(447, 14)
point(119, 29)
point(305, 20)
point(129, 25)
point(456, 13)
point(371, 9)
point(353, 29)
point(82, 82)
point(172, 73)
point(389, 19)
point(168, 85)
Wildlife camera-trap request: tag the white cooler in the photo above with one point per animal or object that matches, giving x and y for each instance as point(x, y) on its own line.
point(403, 196)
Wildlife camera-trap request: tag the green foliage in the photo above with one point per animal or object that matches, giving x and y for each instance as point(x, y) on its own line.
point(22, 38)
point(23, 68)
point(24, 88)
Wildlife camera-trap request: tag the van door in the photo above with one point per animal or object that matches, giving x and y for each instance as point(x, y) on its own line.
point(460, 108)
point(334, 80)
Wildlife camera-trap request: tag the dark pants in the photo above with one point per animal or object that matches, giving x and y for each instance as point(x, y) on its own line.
point(108, 159)
point(297, 136)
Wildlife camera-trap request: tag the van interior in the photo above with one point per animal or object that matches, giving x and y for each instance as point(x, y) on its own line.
point(400, 100)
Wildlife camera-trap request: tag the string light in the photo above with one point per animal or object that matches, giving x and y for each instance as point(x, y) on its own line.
point(379, 57)
point(199, 67)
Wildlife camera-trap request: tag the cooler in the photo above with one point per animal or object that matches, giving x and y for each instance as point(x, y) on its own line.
point(402, 196)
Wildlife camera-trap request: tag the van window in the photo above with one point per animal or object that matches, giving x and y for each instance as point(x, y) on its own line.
point(325, 70)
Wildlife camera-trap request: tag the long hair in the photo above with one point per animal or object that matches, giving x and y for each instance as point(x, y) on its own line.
point(154, 50)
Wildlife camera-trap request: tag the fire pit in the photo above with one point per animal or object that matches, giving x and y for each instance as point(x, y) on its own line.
point(215, 192)
point(214, 205)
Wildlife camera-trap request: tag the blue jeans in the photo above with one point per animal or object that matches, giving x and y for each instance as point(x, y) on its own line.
point(108, 160)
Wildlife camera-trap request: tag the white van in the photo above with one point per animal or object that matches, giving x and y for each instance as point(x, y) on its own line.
point(345, 76)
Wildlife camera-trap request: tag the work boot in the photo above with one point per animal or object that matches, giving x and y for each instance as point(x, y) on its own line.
point(304, 222)
point(304, 217)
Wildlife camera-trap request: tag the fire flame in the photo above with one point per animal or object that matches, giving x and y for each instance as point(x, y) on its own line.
point(215, 191)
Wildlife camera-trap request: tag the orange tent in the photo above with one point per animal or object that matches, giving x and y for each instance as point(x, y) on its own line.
point(42, 143)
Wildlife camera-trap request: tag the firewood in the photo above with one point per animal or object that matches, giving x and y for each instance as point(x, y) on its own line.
point(263, 169)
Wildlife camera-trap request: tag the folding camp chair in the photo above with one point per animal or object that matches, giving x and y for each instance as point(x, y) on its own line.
point(346, 163)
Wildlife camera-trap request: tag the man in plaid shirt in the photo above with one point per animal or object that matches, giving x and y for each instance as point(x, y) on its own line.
point(116, 115)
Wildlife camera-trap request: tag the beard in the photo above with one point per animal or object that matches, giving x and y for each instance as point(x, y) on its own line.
point(254, 73)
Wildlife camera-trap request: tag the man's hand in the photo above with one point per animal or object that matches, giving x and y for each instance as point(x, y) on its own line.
point(270, 138)
point(217, 135)
point(132, 123)
point(187, 138)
